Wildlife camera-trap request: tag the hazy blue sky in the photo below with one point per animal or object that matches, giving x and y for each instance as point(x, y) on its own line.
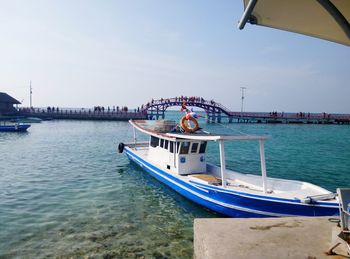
point(87, 53)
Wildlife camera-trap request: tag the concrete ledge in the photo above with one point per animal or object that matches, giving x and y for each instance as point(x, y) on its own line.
point(297, 237)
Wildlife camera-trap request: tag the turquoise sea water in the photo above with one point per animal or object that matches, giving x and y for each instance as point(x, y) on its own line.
point(66, 192)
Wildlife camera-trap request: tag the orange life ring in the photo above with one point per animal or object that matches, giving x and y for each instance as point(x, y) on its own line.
point(186, 127)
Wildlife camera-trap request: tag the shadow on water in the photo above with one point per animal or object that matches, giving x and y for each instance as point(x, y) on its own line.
point(131, 216)
point(184, 204)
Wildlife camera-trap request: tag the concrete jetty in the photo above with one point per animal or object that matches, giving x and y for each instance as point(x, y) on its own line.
point(292, 237)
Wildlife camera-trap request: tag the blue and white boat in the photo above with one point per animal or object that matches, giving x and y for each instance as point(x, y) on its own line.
point(13, 127)
point(179, 160)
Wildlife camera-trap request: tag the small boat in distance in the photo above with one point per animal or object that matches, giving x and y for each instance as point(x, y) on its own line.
point(27, 120)
point(6, 126)
point(179, 160)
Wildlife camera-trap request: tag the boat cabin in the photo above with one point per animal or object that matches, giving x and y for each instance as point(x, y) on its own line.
point(178, 156)
point(185, 153)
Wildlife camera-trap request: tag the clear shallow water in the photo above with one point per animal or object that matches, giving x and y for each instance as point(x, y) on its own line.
point(66, 192)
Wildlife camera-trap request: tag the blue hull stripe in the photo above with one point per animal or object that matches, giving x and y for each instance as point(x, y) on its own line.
point(258, 197)
point(209, 197)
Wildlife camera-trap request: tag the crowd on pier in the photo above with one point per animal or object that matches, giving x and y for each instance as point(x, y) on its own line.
point(118, 109)
point(169, 101)
point(193, 99)
point(95, 109)
point(300, 115)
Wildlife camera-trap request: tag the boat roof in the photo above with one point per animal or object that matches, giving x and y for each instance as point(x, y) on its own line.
point(142, 126)
point(210, 136)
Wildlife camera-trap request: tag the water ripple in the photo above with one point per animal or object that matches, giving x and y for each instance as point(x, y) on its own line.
point(66, 192)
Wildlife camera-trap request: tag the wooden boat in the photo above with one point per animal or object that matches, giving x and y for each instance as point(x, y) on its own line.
point(179, 160)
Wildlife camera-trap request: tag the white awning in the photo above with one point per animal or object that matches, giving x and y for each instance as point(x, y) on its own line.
point(325, 19)
point(214, 137)
point(205, 136)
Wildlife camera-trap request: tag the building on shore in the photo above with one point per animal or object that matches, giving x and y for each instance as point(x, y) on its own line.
point(7, 104)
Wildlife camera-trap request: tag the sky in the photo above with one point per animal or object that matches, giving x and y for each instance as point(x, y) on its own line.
point(86, 53)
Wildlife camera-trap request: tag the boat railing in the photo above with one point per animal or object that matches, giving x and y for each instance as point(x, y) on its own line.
point(137, 144)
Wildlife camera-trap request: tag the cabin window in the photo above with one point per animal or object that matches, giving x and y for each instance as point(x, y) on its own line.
point(202, 147)
point(161, 142)
point(185, 146)
point(194, 147)
point(166, 143)
point(154, 141)
point(172, 147)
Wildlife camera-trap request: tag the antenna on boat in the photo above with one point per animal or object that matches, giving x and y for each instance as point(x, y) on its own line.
point(242, 89)
point(30, 88)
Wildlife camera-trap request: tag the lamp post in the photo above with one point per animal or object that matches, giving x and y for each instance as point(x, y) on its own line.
point(242, 98)
point(30, 88)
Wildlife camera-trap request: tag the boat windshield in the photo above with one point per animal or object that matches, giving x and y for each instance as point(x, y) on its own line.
point(185, 146)
point(154, 141)
point(202, 147)
point(194, 147)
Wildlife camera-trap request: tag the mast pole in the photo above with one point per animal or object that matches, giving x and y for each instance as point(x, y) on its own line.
point(263, 165)
point(30, 88)
point(134, 137)
point(222, 162)
point(242, 98)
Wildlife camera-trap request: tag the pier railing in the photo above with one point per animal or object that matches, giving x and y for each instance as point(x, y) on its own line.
point(155, 109)
point(215, 111)
point(81, 114)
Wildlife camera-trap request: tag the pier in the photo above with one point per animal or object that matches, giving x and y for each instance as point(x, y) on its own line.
point(216, 112)
point(290, 237)
point(81, 114)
